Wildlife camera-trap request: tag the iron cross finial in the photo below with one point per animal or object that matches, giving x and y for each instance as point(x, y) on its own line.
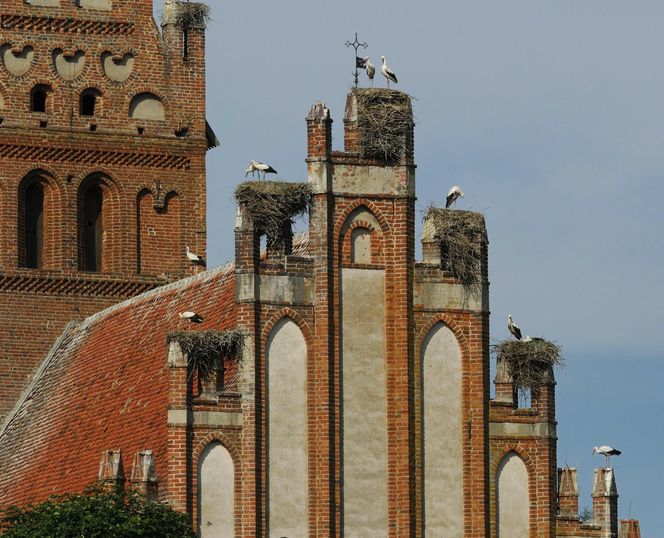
point(359, 62)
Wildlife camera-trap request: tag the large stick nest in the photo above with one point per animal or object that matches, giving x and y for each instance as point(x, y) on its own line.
point(273, 205)
point(462, 237)
point(206, 349)
point(529, 362)
point(384, 121)
point(192, 15)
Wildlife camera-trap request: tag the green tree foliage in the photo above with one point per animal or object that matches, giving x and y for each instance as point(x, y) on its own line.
point(96, 513)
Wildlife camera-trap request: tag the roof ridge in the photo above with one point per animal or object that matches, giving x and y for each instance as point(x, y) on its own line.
point(223, 270)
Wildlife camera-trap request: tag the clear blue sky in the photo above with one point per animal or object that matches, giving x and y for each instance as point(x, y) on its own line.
point(550, 115)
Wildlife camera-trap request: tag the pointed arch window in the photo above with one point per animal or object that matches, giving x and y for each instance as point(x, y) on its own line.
point(32, 229)
point(92, 228)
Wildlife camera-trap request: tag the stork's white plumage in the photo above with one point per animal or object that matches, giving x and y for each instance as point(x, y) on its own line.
point(255, 166)
point(195, 258)
point(513, 327)
point(370, 69)
point(387, 72)
point(191, 316)
point(607, 452)
point(452, 196)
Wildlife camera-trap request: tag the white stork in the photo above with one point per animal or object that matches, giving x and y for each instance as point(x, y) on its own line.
point(191, 316)
point(387, 72)
point(195, 258)
point(607, 452)
point(255, 166)
point(370, 69)
point(513, 327)
point(452, 196)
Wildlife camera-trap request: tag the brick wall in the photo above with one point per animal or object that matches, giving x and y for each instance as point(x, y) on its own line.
point(151, 171)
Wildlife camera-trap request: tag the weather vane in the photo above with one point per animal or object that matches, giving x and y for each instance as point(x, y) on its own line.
point(359, 62)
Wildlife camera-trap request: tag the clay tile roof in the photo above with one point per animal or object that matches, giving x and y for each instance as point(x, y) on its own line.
point(104, 385)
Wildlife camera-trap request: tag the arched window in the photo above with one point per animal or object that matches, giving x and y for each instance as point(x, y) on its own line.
point(88, 104)
point(146, 106)
point(33, 226)
point(93, 228)
point(38, 98)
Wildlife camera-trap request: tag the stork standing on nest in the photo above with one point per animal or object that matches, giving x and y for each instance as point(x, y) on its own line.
point(370, 69)
point(452, 196)
point(195, 258)
point(255, 166)
point(607, 452)
point(513, 327)
point(387, 72)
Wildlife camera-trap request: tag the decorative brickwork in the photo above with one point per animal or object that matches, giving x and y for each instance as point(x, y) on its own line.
point(97, 205)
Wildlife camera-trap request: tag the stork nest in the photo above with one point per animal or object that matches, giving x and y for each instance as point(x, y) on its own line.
point(529, 363)
point(384, 121)
point(205, 349)
point(192, 15)
point(462, 237)
point(273, 206)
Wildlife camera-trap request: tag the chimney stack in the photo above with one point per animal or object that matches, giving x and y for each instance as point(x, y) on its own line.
point(319, 132)
point(111, 471)
point(605, 502)
point(629, 528)
point(568, 492)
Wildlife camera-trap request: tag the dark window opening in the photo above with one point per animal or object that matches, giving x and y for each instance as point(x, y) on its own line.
point(38, 98)
point(93, 228)
point(185, 44)
point(88, 103)
point(34, 226)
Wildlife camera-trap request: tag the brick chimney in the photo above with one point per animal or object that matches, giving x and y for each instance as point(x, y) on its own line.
point(605, 502)
point(144, 475)
point(629, 528)
point(568, 493)
point(111, 471)
point(319, 132)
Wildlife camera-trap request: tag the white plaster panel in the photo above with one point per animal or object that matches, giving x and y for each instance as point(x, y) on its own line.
point(146, 106)
point(2, 102)
point(103, 5)
point(43, 3)
point(275, 288)
point(68, 66)
point(117, 68)
point(364, 403)
point(512, 498)
point(287, 430)
point(518, 429)
point(442, 296)
point(358, 179)
point(216, 492)
point(17, 63)
point(443, 449)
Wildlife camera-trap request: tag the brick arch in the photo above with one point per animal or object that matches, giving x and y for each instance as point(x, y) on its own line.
point(371, 207)
point(494, 462)
point(71, 50)
point(287, 312)
point(447, 320)
point(112, 221)
point(54, 195)
point(217, 436)
point(139, 90)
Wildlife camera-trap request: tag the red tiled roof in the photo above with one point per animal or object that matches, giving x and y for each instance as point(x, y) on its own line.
point(105, 386)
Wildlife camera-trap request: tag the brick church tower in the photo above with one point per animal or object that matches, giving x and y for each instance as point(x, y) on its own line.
point(102, 163)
